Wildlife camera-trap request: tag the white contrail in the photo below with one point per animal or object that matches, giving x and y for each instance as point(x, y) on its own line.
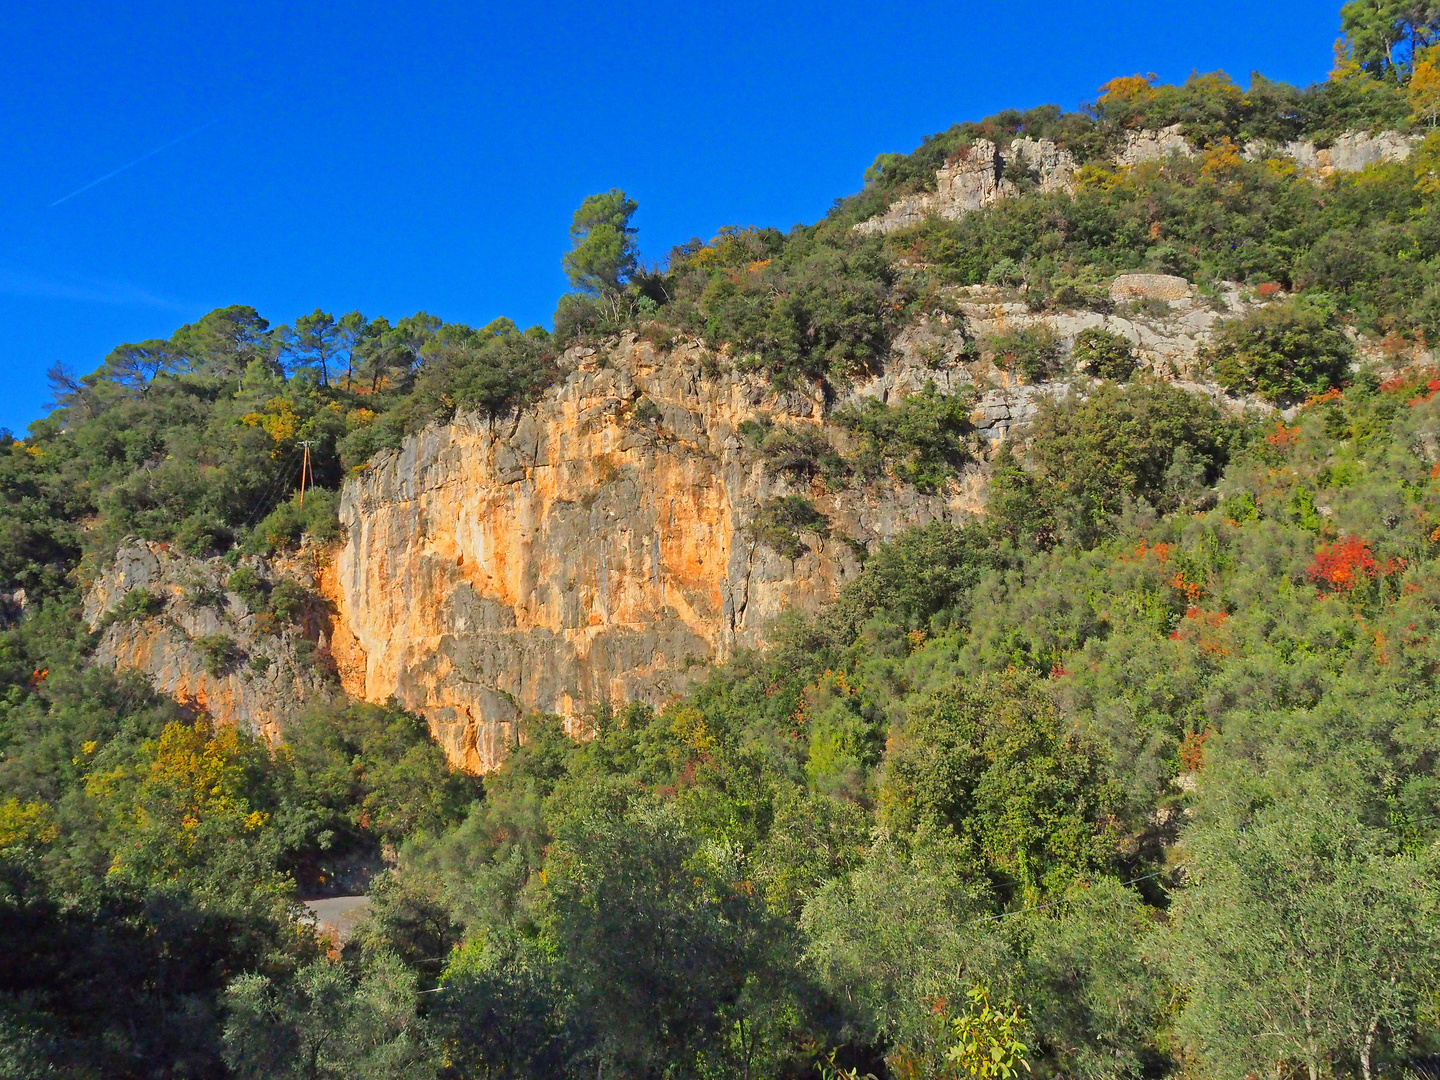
point(152, 153)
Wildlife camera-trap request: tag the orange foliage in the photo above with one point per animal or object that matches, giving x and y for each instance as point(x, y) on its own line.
point(1191, 589)
point(1192, 750)
point(1340, 566)
point(1206, 629)
point(1282, 436)
point(1161, 551)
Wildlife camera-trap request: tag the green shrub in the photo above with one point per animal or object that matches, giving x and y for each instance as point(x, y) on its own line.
point(1283, 352)
point(199, 592)
point(1104, 354)
point(360, 445)
point(647, 412)
point(921, 577)
point(576, 315)
point(249, 586)
point(201, 535)
point(136, 604)
point(1088, 457)
point(315, 517)
point(489, 371)
point(921, 439)
point(797, 308)
point(1032, 352)
point(219, 652)
point(800, 452)
point(781, 520)
point(287, 600)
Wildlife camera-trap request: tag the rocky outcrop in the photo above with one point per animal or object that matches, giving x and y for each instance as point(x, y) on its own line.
point(978, 175)
point(1166, 319)
point(1351, 152)
point(983, 173)
point(1153, 145)
point(596, 547)
point(600, 545)
point(173, 618)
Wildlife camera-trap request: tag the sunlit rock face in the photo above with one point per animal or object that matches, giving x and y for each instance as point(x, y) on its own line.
point(986, 172)
point(594, 548)
point(600, 544)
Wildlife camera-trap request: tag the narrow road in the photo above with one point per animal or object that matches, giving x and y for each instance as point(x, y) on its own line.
point(338, 914)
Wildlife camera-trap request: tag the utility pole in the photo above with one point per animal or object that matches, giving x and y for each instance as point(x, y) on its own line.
point(305, 468)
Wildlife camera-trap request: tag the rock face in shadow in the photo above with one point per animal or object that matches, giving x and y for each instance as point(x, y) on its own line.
point(201, 643)
point(594, 548)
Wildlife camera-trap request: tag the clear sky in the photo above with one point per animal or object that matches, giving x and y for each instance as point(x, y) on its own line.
point(400, 157)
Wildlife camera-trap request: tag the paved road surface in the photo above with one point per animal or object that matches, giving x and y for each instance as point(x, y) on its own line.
point(339, 913)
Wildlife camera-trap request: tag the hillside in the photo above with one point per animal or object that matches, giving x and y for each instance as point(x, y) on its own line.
point(988, 630)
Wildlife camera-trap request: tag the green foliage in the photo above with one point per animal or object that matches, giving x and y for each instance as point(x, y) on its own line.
point(1104, 354)
point(646, 411)
point(291, 521)
point(1092, 456)
point(1033, 352)
point(328, 1020)
point(992, 763)
point(1360, 240)
point(1303, 939)
point(987, 1044)
point(921, 439)
point(139, 603)
point(780, 521)
point(807, 306)
point(1386, 36)
point(1283, 352)
point(923, 576)
point(491, 370)
point(249, 586)
point(219, 652)
point(603, 255)
point(361, 774)
point(801, 452)
point(287, 600)
point(1097, 1002)
point(899, 933)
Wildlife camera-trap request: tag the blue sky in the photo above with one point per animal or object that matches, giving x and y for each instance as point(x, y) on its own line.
point(400, 157)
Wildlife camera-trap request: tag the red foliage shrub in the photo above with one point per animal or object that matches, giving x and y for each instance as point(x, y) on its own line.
point(1192, 750)
point(1340, 566)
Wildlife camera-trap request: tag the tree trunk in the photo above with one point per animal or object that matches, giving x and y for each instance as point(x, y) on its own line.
point(1367, 1048)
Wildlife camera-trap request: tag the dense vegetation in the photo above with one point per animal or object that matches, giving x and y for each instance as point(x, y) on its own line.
point(1137, 776)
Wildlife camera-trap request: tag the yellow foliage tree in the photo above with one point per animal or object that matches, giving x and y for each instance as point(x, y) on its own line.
point(987, 1042)
point(188, 783)
point(279, 420)
point(1126, 99)
point(26, 824)
point(1426, 165)
point(1424, 89)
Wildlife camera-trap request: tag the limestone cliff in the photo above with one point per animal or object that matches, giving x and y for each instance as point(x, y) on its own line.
point(985, 172)
point(203, 644)
point(598, 545)
point(593, 548)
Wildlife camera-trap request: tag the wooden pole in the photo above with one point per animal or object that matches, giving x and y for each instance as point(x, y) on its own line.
point(304, 468)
